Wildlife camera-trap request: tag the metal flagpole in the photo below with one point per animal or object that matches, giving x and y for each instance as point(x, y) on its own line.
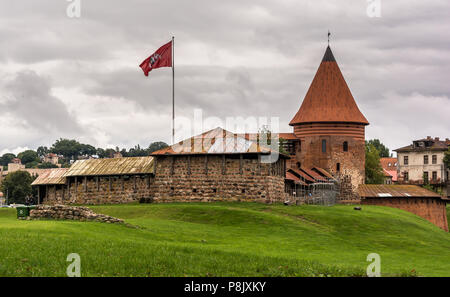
point(173, 90)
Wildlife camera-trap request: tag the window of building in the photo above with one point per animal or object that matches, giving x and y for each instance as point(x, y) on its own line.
point(406, 176)
point(405, 160)
point(338, 167)
point(425, 176)
point(434, 175)
point(425, 159)
point(324, 146)
point(389, 164)
point(434, 159)
point(345, 146)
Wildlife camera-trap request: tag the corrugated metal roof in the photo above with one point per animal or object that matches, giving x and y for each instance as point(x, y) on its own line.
point(114, 166)
point(51, 177)
point(396, 191)
point(216, 141)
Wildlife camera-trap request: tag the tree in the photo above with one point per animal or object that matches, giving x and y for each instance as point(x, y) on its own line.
point(28, 156)
point(17, 186)
point(46, 165)
point(155, 146)
point(42, 151)
point(6, 159)
point(69, 148)
point(281, 149)
point(381, 148)
point(374, 171)
point(87, 149)
point(447, 158)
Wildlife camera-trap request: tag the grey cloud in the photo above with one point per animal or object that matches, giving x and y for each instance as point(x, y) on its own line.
point(30, 101)
point(405, 52)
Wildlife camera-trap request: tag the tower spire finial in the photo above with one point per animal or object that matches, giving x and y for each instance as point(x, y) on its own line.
point(329, 37)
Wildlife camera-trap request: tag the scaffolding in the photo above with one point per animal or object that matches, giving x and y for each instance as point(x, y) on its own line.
point(319, 193)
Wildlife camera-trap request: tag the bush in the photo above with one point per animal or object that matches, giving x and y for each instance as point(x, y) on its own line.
point(17, 185)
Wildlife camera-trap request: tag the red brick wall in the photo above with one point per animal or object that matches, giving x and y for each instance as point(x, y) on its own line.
point(431, 209)
point(351, 162)
point(255, 182)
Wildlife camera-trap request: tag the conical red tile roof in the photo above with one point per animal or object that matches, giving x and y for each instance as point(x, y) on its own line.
point(328, 99)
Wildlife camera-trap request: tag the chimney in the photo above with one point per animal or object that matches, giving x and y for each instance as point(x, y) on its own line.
point(436, 139)
point(447, 139)
point(428, 137)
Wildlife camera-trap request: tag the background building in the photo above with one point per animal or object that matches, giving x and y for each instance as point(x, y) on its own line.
point(389, 166)
point(422, 202)
point(423, 162)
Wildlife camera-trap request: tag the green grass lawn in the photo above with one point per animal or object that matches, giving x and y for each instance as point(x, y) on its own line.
point(227, 239)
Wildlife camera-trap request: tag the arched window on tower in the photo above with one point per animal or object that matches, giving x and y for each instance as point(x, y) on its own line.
point(345, 146)
point(338, 167)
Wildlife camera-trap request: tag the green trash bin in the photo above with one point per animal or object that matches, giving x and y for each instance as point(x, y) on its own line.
point(23, 212)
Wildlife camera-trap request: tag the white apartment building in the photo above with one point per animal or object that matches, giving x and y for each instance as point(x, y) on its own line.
point(423, 160)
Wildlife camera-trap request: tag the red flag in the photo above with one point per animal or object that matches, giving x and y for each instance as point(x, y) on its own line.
point(161, 58)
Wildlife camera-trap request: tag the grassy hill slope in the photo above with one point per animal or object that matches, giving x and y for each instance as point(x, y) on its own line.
point(227, 239)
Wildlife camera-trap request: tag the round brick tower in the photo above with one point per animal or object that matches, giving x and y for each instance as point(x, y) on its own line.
point(330, 126)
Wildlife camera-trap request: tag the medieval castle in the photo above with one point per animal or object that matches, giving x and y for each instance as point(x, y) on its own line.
point(327, 146)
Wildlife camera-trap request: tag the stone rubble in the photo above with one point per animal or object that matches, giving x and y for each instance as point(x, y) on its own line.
point(65, 212)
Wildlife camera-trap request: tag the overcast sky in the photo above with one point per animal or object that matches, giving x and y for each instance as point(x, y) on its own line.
point(79, 77)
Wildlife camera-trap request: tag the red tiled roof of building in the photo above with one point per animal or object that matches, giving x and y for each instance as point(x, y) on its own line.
point(323, 172)
point(301, 174)
point(313, 174)
point(287, 136)
point(392, 173)
point(329, 99)
point(389, 163)
point(294, 178)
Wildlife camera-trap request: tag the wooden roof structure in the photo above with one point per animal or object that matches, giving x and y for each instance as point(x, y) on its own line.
point(395, 191)
point(114, 166)
point(216, 141)
point(328, 99)
point(54, 176)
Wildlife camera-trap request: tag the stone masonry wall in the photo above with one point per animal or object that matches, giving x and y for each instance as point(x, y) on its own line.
point(351, 162)
point(431, 209)
point(108, 190)
point(211, 178)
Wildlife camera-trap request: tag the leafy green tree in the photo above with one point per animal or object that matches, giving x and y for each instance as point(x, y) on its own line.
point(281, 149)
point(46, 165)
point(447, 158)
point(381, 148)
point(87, 149)
point(6, 159)
point(17, 186)
point(69, 148)
point(156, 146)
point(374, 171)
point(42, 151)
point(28, 156)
